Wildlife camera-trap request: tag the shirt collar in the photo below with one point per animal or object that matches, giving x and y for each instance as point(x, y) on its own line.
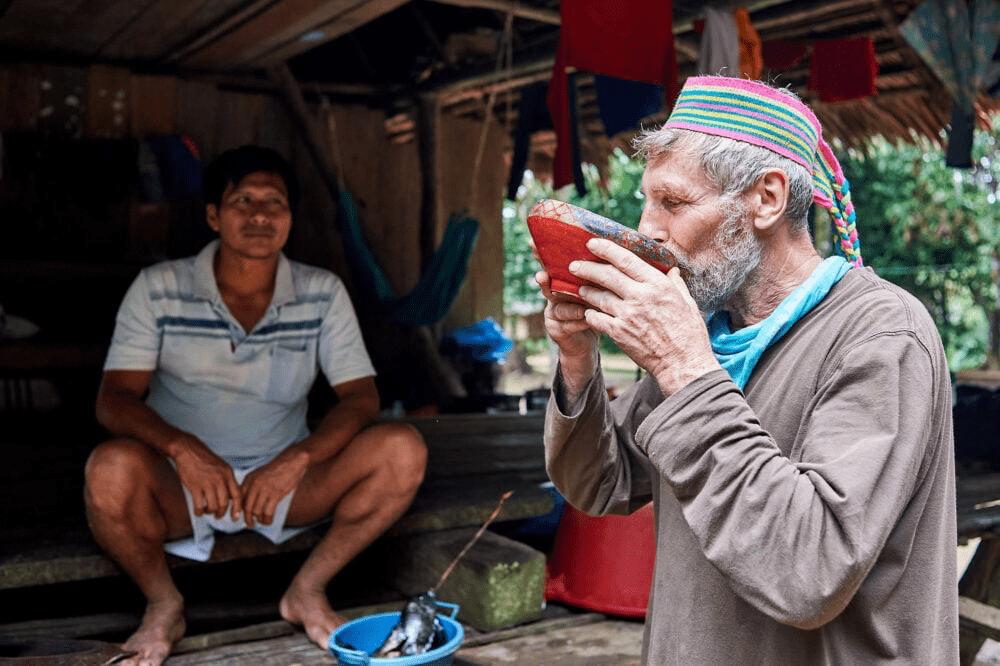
point(206, 288)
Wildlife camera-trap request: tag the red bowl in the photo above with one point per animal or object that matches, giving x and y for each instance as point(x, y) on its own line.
point(561, 231)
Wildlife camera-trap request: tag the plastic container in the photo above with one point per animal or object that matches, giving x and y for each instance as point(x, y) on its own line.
point(605, 563)
point(369, 632)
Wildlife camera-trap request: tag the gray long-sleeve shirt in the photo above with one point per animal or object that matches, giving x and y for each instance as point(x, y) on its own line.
point(811, 521)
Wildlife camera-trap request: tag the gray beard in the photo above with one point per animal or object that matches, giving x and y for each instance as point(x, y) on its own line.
point(714, 285)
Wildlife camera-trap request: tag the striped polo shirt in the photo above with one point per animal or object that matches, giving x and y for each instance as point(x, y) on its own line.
point(242, 394)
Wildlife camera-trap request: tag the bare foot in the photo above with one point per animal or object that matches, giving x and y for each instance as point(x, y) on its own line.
point(162, 625)
point(310, 609)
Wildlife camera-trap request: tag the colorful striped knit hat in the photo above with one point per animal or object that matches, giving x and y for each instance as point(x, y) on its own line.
point(756, 113)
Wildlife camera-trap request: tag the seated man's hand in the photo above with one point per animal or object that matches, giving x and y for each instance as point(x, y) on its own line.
point(207, 477)
point(265, 487)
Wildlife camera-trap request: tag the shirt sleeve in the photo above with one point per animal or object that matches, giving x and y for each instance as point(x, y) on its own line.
point(135, 343)
point(795, 536)
point(342, 352)
point(590, 452)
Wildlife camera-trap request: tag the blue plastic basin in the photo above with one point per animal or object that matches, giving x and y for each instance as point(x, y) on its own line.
point(369, 632)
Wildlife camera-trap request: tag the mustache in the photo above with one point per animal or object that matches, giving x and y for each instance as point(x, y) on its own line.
point(257, 230)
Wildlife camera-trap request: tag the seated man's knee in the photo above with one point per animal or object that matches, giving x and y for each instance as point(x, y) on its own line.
point(406, 451)
point(115, 467)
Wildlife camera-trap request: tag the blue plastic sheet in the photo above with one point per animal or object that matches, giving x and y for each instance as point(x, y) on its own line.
point(484, 341)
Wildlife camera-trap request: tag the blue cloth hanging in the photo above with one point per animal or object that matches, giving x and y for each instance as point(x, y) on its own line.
point(431, 298)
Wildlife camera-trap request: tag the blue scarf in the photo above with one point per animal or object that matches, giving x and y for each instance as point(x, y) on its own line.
point(739, 352)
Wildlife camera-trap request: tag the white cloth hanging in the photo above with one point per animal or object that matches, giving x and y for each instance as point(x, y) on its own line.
point(719, 53)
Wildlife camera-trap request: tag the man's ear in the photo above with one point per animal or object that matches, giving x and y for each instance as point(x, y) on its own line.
point(212, 216)
point(768, 199)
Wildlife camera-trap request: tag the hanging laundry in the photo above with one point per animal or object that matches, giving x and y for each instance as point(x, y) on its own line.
point(843, 69)
point(719, 53)
point(633, 41)
point(751, 61)
point(624, 103)
point(532, 116)
point(169, 168)
point(783, 53)
point(957, 40)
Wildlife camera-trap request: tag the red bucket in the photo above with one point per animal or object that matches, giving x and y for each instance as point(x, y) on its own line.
point(603, 564)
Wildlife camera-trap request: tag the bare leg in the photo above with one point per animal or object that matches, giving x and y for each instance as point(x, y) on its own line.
point(367, 487)
point(134, 503)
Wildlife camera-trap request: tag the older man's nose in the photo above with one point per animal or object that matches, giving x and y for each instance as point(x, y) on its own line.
point(647, 227)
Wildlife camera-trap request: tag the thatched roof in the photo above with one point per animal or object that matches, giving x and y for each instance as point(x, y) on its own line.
point(391, 53)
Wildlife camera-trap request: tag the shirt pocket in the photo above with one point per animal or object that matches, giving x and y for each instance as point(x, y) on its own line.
point(293, 370)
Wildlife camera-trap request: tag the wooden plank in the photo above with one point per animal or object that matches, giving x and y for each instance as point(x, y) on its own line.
point(235, 121)
point(20, 103)
point(284, 23)
point(316, 140)
point(578, 639)
point(294, 649)
point(985, 618)
point(340, 25)
point(548, 16)
point(443, 504)
point(154, 105)
point(978, 504)
point(109, 101)
point(158, 26)
point(61, 107)
point(211, 30)
point(981, 583)
point(461, 187)
point(197, 114)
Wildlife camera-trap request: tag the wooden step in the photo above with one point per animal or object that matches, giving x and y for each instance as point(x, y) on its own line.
point(442, 504)
point(472, 460)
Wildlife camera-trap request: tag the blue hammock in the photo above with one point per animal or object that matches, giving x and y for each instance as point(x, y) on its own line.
point(434, 293)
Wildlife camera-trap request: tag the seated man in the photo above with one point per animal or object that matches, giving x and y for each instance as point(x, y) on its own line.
point(204, 390)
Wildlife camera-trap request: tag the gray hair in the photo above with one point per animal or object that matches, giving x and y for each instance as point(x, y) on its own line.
point(733, 166)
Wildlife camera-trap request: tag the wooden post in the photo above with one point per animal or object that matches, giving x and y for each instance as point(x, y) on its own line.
point(979, 583)
point(428, 112)
point(312, 134)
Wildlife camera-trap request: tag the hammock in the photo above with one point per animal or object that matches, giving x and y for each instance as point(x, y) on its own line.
point(438, 285)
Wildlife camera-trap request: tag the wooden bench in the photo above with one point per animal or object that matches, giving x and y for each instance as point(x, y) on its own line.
point(978, 515)
point(472, 460)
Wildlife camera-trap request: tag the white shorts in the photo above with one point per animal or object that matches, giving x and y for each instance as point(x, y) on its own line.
point(199, 545)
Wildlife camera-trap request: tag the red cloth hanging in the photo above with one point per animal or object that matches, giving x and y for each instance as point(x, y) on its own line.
point(843, 69)
point(783, 53)
point(633, 41)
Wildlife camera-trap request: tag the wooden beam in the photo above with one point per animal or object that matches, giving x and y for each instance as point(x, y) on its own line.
point(216, 31)
point(287, 28)
point(520, 11)
point(350, 20)
point(317, 144)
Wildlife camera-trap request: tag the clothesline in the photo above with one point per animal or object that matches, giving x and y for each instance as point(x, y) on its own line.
point(905, 270)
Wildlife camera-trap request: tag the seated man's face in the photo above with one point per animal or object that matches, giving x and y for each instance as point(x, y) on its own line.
point(253, 218)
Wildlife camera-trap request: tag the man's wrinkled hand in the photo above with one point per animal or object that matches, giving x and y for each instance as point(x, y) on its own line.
point(207, 477)
point(264, 488)
point(650, 315)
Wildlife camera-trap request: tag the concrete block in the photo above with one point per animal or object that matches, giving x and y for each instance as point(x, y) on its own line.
point(498, 583)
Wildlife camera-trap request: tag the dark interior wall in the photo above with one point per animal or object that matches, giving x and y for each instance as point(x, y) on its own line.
point(82, 218)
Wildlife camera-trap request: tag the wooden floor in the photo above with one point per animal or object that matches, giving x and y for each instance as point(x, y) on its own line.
point(562, 638)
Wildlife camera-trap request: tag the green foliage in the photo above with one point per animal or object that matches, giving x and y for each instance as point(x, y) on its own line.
point(934, 230)
point(618, 199)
